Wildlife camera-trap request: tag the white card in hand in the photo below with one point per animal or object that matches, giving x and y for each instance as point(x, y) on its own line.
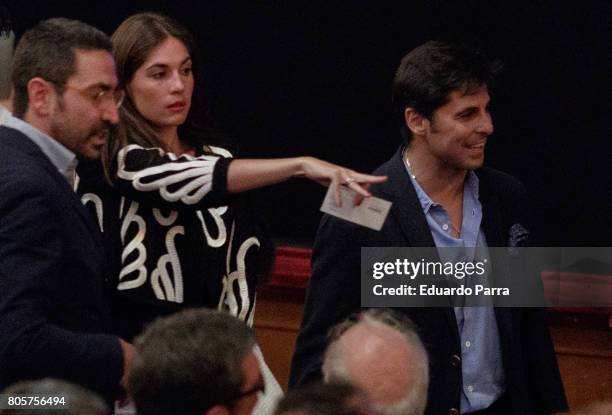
point(371, 213)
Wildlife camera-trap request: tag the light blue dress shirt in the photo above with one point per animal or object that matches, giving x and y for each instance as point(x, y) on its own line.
point(63, 159)
point(482, 369)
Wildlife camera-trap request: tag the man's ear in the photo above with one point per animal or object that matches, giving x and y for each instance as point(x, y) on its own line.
point(218, 410)
point(416, 123)
point(40, 96)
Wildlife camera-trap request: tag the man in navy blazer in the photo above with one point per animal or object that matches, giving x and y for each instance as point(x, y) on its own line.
point(483, 360)
point(54, 316)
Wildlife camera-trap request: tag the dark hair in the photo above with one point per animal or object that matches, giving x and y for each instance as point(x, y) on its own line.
point(429, 73)
point(133, 41)
point(48, 51)
point(336, 398)
point(79, 401)
point(189, 362)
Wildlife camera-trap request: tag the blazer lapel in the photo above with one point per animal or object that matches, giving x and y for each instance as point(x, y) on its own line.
point(408, 213)
point(406, 207)
point(493, 226)
point(21, 142)
point(492, 219)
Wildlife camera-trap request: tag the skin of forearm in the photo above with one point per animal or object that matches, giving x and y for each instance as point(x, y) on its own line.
point(248, 174)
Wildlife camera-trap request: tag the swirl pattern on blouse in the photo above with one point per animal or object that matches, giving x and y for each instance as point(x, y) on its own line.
point(168, 221)
point(186, 178)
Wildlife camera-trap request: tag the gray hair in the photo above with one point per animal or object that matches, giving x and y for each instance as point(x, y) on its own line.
point(7, 45)
point(334, 364)
point(188, 362)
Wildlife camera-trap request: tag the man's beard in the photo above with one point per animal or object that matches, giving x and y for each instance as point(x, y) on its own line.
point(68, 133)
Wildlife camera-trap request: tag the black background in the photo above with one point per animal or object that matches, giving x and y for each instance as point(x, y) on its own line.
point(290, 78)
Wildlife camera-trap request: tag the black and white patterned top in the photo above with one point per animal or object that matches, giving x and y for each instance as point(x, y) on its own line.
point(175, 237)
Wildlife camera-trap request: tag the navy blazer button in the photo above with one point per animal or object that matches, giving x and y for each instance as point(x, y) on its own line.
point(456, 360)
point(453, 411)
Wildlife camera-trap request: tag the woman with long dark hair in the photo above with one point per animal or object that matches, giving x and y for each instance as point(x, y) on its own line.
point(176, 233)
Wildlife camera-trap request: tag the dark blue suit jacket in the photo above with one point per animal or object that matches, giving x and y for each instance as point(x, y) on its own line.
point(53, 301)
point(532, 377)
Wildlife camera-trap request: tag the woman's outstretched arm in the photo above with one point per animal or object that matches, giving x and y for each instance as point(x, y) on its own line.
point(247, 174)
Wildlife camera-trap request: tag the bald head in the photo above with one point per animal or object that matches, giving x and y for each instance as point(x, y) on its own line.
point(378, 361)
point(387, 361)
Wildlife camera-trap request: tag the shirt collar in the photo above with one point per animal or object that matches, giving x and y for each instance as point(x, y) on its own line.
point(470, 188)
point(471, 185)
point(4, 114)
point(63, 159)
point(424, 199)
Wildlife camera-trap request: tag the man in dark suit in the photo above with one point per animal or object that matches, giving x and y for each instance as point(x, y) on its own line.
point(53, 305)
point(483, 360)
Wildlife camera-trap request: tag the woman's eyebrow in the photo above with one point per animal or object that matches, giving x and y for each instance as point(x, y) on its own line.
point(165, 65)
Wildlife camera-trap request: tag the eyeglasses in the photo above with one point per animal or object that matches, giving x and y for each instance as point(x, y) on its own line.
point(99, 96)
